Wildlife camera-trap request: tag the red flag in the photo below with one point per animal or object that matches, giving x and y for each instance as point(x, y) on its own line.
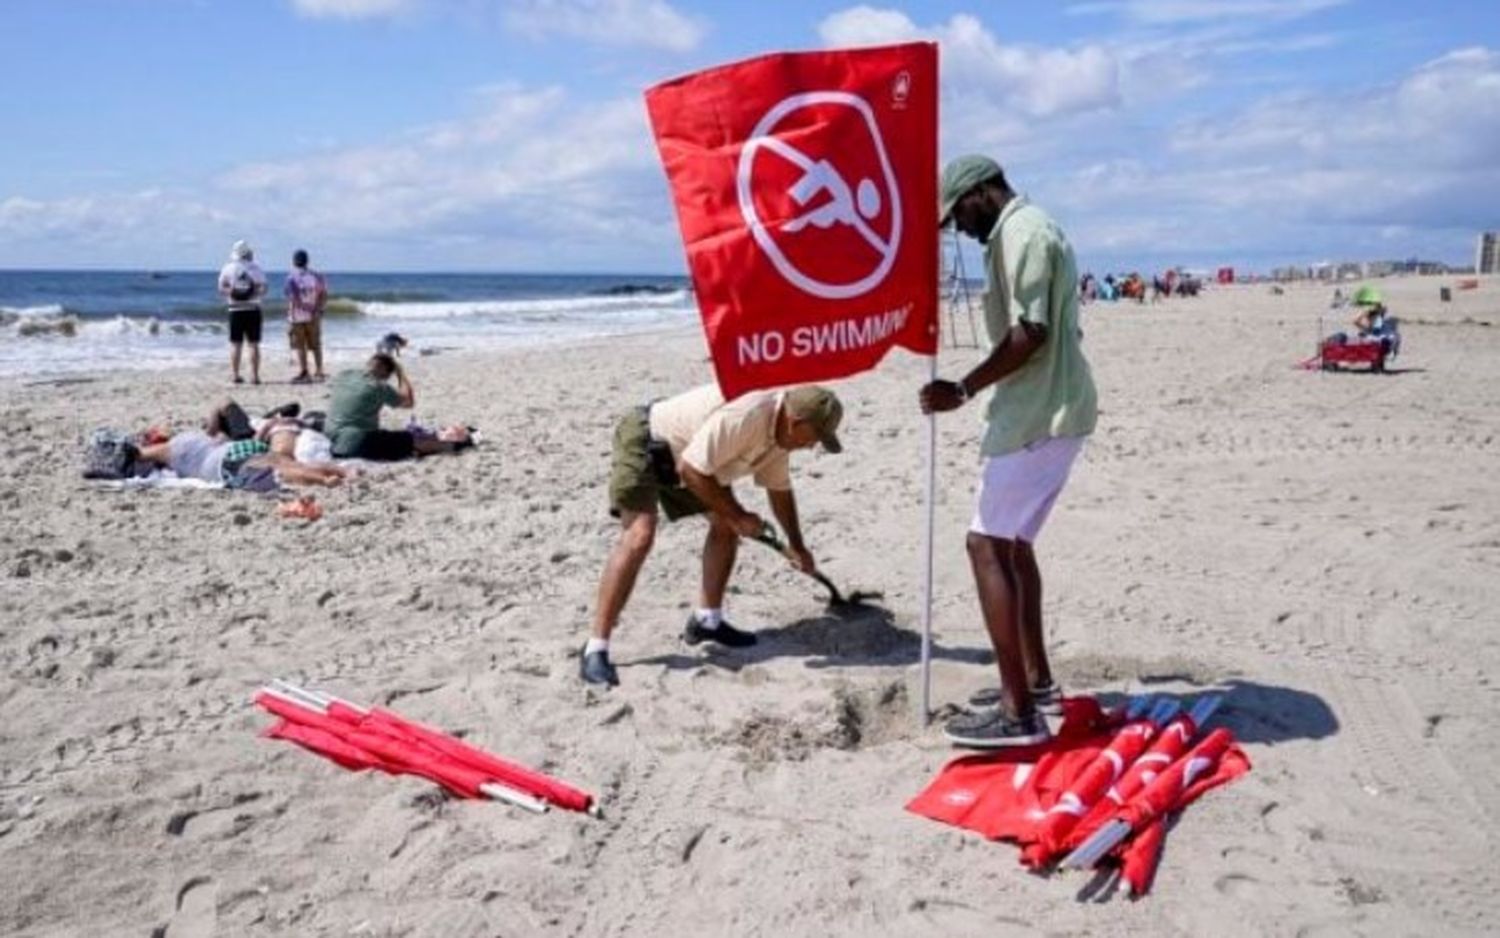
point(1142, 857)
point(327, 744)
point(806, 191)
point(507, 773)
point(380, 739)
point(1214, 762)
point(1002, 794)
point(1166, 749)
point(1086, 789)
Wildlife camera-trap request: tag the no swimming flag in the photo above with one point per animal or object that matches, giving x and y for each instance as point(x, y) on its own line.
point(806, 191)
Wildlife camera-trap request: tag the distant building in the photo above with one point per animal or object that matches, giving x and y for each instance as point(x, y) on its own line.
point(1487, 253)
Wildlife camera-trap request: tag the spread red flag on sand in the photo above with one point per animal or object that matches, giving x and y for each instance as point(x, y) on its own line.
point(805, 186)
point(1096, 773)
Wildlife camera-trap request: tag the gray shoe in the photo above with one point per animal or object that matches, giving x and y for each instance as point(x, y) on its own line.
point(724, 634)
point(594, 668)
point(1047, 697)
point(995, 729)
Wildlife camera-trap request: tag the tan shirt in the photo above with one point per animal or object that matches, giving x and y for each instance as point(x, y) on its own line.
point(727, 441)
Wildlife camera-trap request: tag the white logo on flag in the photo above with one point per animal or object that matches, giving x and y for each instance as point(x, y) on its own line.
point(853, 206)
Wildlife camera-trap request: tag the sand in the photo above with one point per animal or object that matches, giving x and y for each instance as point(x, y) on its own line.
point(1325, 547)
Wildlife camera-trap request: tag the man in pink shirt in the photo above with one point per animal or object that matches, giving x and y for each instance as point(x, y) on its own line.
point(306, 294)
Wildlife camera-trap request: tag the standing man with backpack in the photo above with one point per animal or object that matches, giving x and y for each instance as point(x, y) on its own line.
point(242, 283)
point(306, 294)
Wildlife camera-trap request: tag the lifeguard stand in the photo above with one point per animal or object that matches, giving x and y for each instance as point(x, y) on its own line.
point(956, 298)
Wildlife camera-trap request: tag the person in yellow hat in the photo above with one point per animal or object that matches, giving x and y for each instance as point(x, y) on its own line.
point(682, 455)
point(1041, 408)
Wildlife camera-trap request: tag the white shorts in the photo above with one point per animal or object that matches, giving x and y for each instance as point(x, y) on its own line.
point(1017, 490)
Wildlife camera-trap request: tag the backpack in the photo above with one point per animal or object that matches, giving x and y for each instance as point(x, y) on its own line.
point(242, 287)
point(109, 454)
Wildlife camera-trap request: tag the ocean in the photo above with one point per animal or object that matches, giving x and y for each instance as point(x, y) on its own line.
point(59, 322)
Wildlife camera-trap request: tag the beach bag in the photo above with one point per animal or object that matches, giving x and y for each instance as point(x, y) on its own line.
point(109, 454)
point(313, 447)
point(242, 287)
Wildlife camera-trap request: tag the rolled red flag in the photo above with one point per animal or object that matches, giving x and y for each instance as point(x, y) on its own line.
point(506, 773)
point(1085, 790)
point(1142, 853)
point(1165, 749)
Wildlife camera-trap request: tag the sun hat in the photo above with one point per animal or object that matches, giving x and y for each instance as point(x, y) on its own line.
point(819, 407)
point(1367, 296)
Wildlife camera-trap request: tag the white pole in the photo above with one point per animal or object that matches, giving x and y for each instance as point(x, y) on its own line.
point(927, 554)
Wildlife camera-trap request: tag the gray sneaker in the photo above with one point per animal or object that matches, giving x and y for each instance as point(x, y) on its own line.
point(1047, 697)
point(595, 668)
point(695, 632)
point(995, 729)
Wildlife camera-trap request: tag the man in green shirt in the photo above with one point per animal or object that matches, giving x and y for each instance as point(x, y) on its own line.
point(353, 424)
point(1042, 407)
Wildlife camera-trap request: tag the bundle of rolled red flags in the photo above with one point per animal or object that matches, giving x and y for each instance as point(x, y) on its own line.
point(360, 738)
point(1100, 791)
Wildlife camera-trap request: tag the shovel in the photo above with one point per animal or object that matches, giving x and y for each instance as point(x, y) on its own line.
point(836, 599)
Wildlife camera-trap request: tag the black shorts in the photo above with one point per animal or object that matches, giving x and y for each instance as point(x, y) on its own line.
point(386, 446)
point(244, 326)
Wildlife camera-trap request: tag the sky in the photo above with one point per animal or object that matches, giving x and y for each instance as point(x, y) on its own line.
point(511, 135)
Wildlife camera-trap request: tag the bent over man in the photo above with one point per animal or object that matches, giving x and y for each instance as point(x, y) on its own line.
point(684, 454)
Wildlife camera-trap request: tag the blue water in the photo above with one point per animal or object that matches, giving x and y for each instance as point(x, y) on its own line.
point(73, 321)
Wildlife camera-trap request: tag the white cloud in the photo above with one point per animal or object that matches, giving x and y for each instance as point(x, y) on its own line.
point(1169, 12)
point(533, 170)
point(994, 93)
point(1298, 177)
point(350, 9)
point(651, 23)
point(1443, 114)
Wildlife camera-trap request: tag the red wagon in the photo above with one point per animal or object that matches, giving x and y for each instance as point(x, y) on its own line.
point(1334, 354)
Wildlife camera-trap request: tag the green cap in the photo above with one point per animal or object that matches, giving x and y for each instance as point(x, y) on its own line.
point(819, 407)
point(1367, 296)
point(959, 177)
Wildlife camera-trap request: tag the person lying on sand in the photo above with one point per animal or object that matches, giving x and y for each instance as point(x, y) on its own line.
point(194, 454)
point(684, 453)
point(353, 423)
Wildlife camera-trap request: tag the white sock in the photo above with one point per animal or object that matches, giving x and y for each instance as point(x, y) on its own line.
point(596, 644)
point(709, 618)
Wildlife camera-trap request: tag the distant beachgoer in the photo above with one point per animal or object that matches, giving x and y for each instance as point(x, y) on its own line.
point(242, 283)
point(353, 422)
point(306, 293)
point(1374, 322)
point(683, 454)
point(1043, 408)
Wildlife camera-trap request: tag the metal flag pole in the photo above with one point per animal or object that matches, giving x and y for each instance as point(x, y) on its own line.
point(927, 538)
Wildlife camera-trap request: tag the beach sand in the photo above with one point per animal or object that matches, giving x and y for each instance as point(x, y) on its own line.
point(1325, 547)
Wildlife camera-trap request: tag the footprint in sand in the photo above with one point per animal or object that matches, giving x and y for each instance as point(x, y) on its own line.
point(195, 915)
point(1238, 886)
